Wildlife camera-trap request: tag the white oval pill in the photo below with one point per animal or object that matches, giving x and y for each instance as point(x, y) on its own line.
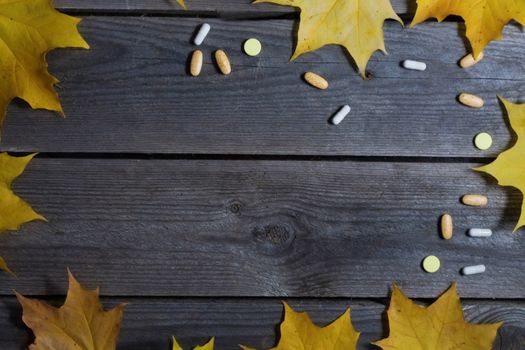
point(414, 65)
point(480, 232)
point(341, 114)
point(201, 35)
point(473, 270)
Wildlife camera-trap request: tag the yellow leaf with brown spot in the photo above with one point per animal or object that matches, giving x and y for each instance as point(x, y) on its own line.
point(509, 167)
point(356, 25)
point(28, 30)
point(299, 332)
point(484, 19)
point(208, 346)
point(81, 323)
point(441, 326)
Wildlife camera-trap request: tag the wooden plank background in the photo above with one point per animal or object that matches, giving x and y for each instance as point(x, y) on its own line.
point(150, 323)
point(205, 201)
point(261, 228)
point(132, 94)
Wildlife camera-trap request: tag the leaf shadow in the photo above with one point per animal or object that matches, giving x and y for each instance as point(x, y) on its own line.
point(462, 33)
point(411, 6)
point(15, 317)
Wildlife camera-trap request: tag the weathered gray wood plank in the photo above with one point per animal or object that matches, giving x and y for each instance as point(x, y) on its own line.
point(223, 7)
point(260, 228)
point(131, 93)
point(149, 324)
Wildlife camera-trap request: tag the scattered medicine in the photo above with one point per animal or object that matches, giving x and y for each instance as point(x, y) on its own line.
point(341, 114)
point(196, 63)
point(475, 200)
point(252, 47)
point(473, 270)
point(414, 65)
point(470, 100)
point(480, 232)
point(483, 141)
point(223, 62)
point(447, 226)
point(201, 34)
point(316, 80)
point(431, 264)
point(469, 60)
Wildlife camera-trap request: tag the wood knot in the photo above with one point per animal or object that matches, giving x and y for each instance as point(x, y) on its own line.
point(235, 207)
point(273, 238)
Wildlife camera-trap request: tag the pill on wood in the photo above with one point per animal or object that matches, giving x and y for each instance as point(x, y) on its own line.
point(431, 264)
point(470, 100)
point(201, 34)
point(480, 232)
point(341, 114)
point(414, 65)
point(447, 226)
point(252, 47)
point(483, 141)
point(472, 270)
point(196, 63)
point(475, 200)
point(223, 62)
point(469, 60)
point(316, 80)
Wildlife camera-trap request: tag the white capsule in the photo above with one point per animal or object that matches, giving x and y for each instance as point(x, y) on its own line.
point(480, 232)
point(201, 35)
point(472, 270)
point(414, 65)
point(341, 114)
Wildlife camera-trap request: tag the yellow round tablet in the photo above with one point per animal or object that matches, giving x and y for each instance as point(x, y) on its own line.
point(483, 141)
point(431, 264)
point(252, 47)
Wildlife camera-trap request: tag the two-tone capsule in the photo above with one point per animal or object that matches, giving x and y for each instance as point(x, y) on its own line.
point(475, 200)
point(223, 62)
point(470, 100)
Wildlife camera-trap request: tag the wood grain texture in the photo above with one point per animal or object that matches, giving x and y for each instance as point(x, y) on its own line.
point(131, 93)
point(260, 228)
point(149, 324)
point(213, 7)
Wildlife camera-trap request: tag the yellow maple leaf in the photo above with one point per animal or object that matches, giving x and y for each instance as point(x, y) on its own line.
point(81, 323)
point(440, 326)
point(299, 332)
point(208, 346)
point(356, 25)
point(28, 30)
point(14, 211)
point(181, 3)
point(484, 19)
point(509, 167)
